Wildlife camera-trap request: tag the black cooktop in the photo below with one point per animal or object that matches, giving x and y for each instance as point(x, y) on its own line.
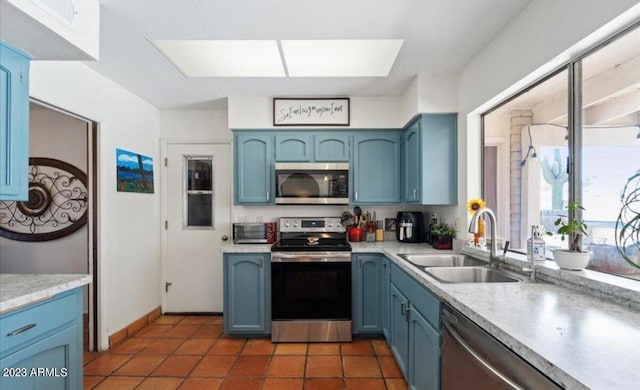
point(315, 242)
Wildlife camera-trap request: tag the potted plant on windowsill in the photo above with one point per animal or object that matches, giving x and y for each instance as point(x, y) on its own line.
point(573, 258)
point(442, 235)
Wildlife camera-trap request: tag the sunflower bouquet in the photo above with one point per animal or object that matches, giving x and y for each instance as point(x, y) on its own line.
point(473, 205)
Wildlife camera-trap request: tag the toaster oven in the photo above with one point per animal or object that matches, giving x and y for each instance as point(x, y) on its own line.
point(254, 233)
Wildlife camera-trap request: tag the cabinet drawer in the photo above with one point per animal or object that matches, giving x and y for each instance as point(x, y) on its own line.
point(419, 297)
point(32, 322)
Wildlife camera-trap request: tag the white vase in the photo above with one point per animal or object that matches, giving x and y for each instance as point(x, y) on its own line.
point(571, 260)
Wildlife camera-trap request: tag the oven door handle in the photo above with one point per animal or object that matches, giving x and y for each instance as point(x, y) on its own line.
point(319, 257)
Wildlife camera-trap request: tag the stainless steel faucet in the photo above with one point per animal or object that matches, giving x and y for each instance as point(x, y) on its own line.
point(494, 258)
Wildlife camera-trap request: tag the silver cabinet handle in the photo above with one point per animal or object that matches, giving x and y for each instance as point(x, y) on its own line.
point(356, 196)
point(21, 330)
point(479, 358)
point(415, 194)
point(268, 197)
point(403, 309)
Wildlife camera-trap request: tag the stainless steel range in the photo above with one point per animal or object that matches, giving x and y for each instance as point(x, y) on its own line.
point(311, 281)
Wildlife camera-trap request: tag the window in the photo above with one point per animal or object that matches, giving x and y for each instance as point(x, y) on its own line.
point(199, 197)
point(531, 141)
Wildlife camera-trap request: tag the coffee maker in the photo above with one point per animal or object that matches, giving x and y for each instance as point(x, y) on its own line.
point(410, 226)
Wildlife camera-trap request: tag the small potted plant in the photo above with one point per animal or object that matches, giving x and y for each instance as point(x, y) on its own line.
point(573, 258)
point(442, 235)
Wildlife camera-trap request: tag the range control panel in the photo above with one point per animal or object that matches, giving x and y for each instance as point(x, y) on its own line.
point(312, 224)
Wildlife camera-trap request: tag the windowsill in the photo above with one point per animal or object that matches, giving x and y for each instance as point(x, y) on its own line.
point(620, 290)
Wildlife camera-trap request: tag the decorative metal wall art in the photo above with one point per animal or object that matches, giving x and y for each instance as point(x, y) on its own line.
point(57, 204)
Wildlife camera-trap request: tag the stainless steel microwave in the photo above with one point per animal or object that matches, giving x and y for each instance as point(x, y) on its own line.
point(312, 183)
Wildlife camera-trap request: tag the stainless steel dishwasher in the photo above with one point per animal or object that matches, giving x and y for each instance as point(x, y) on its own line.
point(473, 359)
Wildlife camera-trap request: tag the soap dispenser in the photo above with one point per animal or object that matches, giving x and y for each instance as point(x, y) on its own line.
point(535, 245)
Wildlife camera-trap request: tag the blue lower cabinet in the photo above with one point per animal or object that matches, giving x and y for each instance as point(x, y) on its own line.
point(41, 345)
point(424, 353)
point(415, 331)
point(386, 285)
point(247, 298)
point(398, 328)
point(367, 274)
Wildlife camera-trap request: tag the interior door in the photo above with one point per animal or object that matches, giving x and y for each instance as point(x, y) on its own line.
point(198, 194)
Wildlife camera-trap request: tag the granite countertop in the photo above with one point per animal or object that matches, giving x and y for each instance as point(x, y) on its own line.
point(578, 340)
point(18, 290)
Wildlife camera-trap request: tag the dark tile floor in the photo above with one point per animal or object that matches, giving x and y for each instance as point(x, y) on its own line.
point(190, 352)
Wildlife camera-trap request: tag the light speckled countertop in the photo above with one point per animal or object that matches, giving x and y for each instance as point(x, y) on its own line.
point(578, 340)
point(18, 290)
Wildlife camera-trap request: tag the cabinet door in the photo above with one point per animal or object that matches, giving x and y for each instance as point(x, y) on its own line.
point(254, 169)
point(386, 312)
point(439, 159)
point(14, 123)
point(424, 353)
point(367, 311)
point(376, 168)
point(247, 281)
point(329, 147)
point(398, 328)
point(59, 354)
point(411, 163)
point(290, 147)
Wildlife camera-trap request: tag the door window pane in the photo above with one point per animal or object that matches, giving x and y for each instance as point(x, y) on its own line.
point(199, 197)
point(199, 210)
point(199, 174)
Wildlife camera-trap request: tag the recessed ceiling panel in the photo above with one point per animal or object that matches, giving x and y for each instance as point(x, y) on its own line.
point(340, 58)
point(224, 58)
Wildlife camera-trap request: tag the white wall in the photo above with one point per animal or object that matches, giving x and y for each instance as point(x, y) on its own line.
point(546, 34)
point(195, 125)
point(128, 232)
point(58, 136)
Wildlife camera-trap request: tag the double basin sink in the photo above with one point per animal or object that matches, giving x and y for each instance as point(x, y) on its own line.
point(455, 268)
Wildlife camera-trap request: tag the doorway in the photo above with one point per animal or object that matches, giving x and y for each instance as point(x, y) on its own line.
point(59, 134)
point(197, 221)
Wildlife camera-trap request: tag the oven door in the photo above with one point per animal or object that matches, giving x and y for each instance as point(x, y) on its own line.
point(311, 297)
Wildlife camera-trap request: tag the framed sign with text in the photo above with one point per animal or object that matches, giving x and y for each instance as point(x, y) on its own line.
point(311, 111)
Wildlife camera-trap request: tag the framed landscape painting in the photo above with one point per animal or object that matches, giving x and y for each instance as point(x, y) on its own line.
point(135, 172)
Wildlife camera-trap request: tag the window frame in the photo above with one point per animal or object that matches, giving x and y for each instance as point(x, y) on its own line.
point(573, 66)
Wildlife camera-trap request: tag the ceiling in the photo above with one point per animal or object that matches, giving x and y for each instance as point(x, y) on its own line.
point(611, 88)
point(439, 37)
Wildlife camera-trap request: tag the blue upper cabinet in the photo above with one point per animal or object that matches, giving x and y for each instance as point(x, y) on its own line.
point(253, 168)
point(320, 146)
point(430, 160)
point(293, 147)
point(376, 167)
point(14, 123)
point(331, 147)
point(411, 164)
